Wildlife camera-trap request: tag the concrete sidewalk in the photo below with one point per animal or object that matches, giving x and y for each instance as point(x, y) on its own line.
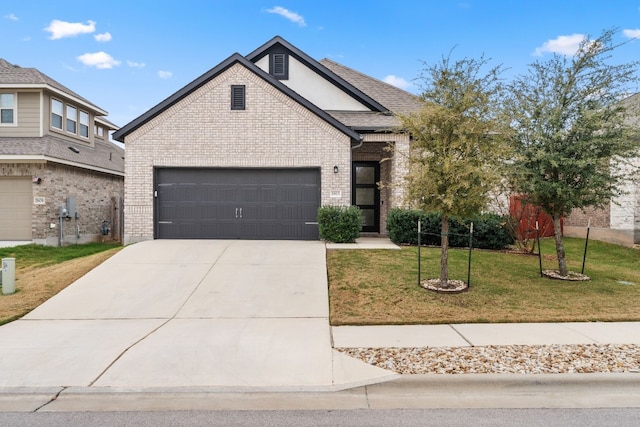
point(481, 334)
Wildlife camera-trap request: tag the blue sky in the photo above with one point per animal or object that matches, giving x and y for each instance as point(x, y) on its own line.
point(126, 56)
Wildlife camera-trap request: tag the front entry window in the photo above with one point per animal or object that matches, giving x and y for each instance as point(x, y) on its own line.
point(366, 195)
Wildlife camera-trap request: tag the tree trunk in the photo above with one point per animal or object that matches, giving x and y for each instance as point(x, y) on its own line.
point(444, 257)
point(557, 231)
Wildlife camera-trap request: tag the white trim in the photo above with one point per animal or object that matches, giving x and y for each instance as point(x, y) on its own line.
point(37, 158)
point(56, 91)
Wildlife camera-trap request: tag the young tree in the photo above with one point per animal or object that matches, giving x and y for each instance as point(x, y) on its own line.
point(570, 132)
point(457, 143)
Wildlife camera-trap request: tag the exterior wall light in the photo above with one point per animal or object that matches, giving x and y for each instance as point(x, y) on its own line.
point(335, 169)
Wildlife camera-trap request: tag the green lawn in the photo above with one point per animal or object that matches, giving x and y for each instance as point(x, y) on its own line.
point(38, 255)
point(381, 286)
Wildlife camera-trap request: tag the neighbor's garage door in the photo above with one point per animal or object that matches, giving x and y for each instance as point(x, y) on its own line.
point(237, 203)
point(15, 208)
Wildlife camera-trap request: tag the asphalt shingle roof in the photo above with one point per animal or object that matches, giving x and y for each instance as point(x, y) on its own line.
point(103, 155)
point(394, 99)
point(14, 74)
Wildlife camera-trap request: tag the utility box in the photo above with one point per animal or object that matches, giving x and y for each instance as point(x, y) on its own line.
point(8, 276)
point(71, 207)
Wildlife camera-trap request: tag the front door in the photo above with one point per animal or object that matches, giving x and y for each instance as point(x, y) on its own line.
point(365, 194)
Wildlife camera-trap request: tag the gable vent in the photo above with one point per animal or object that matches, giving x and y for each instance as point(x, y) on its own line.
point(279, 66)
point(237, 97)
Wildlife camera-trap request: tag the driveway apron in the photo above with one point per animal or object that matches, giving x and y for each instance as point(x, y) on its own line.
point(215, 314)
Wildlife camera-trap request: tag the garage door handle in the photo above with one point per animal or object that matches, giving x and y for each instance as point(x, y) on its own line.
point(310, 223)
point(240, 212)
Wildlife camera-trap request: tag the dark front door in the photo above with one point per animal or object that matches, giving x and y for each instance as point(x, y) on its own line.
point(237, 203)
point(366, 194)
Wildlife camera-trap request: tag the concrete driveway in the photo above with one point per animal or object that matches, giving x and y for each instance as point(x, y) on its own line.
point(188, 313)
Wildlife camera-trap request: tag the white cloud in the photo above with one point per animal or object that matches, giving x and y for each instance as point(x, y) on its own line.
point(60, 29)
point(134, 64)
point(100, 60)
point(165, 74)
point(632, 34)
point(287, 14)
point(104, 37)
point(397, 81)
point(565, 45)
point(11, 17)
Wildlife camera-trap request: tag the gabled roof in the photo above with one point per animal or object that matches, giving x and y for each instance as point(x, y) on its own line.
point(103, 156)
point(214, 72)
point(361, 96)
point(395, 99)
point(14, 76)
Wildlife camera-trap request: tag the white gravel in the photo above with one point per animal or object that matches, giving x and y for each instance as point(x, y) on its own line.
point(518, 359)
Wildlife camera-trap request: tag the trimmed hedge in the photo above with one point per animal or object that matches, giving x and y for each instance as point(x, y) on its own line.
point(339, 224)
point(490, 230)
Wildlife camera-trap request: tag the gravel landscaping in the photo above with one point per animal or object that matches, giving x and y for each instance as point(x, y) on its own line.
point(515, 359)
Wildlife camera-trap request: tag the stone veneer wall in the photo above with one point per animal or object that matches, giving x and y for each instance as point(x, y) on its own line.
point(92, 191)
point(202, 131)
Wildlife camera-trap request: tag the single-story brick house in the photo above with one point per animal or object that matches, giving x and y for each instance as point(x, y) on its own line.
point(251, 149)
point(55, 153)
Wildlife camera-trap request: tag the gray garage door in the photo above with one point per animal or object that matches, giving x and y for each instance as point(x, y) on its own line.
point(237, 203)
point(15, 208)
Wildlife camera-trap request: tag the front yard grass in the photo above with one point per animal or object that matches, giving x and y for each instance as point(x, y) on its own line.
point(43, 271)
point(369, 287)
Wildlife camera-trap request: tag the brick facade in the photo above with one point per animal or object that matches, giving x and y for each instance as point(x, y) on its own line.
point(93, 193)
point(201, 130)
point(600, 218)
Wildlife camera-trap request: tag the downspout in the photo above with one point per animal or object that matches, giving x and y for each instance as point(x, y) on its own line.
point(359, 144)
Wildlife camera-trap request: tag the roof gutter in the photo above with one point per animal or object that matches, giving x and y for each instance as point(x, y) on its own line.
point(59, 92)
point(42, 159)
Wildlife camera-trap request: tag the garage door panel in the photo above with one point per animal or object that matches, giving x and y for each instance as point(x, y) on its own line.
point(237, 203)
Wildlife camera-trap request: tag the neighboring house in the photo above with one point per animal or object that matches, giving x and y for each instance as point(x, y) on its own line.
point(55, 153)
point(619, 221)
point(254, 146)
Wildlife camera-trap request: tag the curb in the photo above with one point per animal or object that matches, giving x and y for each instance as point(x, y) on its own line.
point(407, 392)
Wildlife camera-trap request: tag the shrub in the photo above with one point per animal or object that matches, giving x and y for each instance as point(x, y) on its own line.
point(339, 224)
point(490, 230)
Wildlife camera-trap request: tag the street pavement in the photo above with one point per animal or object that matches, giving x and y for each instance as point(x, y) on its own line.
point(169, 324)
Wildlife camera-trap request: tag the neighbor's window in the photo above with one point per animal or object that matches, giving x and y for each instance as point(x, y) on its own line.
point(84, 124)
point(237, 97)
point(72, 119)
point(56, 114)
point(7, 108)
point(99, 131)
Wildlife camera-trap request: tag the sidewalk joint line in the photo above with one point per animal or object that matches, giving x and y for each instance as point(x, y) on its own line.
point(461, 336)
